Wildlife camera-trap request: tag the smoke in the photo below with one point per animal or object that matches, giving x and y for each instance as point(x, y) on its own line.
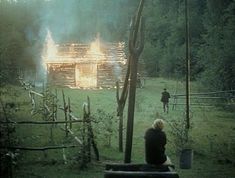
point(77, 21)
point(81, 20)
point(117, 69)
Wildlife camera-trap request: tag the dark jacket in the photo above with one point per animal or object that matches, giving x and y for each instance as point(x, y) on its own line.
point(165, 97)
point(155, 141)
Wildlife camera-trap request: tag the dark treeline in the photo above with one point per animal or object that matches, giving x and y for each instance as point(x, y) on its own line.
point(212, 41)
point(24, 23)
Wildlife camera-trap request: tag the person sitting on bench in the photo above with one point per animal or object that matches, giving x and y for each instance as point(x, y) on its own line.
point(155, 141)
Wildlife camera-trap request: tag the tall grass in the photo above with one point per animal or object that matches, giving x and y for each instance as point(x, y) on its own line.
point(212, 132)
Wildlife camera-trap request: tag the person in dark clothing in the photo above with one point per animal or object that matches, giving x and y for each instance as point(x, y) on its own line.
point(165, 100)
point(155, 141)
point(138, 82)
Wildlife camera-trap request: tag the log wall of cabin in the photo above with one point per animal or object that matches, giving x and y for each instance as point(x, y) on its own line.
point(108, 73)
point(67, 74)
point(61, 74)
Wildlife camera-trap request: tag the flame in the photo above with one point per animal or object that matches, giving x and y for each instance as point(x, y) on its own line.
point(50, 48)
point(75, 53)
point(95, 50)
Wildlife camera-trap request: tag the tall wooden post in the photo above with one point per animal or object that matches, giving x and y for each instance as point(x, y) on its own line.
point(84, 158)
point(65, 114)
point(56, 101)
point(69, 110)
point(121, 104)
point(135, 50)
point(187, 65)
point(88, 134)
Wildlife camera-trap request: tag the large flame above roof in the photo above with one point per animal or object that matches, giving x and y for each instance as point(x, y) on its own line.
point(95, 50)
point(52, 52)
point(50, 47)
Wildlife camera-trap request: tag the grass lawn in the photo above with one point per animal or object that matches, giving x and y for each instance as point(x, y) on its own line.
point(213, 134)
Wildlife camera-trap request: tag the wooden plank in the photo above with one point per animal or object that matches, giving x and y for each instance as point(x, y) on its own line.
point(75, 137)
point(39, 122)
point(208, 93)
point(39, 148)
point(74, 117)
point(213, 97)
point(36, 93)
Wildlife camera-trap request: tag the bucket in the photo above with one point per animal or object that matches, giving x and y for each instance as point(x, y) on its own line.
point(186, 159)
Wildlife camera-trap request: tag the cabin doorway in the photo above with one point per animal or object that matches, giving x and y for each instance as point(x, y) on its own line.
point(86, 75)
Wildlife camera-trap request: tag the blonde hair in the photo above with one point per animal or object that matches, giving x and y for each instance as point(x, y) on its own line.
point(158, 124)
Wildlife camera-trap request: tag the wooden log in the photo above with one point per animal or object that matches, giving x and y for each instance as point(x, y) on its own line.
point(204, 97)
point(140, 174)
point(74, 117)
point(139, 170)
point(208, 93)
point(39, 122)
point(137, 167)
point(75, 137)
point(36, 93)
point(38, 148)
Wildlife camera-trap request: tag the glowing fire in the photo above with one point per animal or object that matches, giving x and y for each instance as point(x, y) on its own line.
point(51, 52)
point(78, 64)
point(50, 48)
point(95, 50)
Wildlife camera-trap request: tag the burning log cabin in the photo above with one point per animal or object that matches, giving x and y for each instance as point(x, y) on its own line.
point(87, 66)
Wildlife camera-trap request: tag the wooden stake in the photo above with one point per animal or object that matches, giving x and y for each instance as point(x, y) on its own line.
point(64, 156)
point(69, 110)
point(56, 97)
point(65, 114)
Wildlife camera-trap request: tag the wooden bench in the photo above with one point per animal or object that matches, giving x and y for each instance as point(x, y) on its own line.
point(139, 170)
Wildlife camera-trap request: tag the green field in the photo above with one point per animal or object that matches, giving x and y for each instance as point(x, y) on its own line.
point(212, 133)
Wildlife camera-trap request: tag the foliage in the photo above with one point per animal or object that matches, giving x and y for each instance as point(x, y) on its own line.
point(8, 157)
point(180, 135)
point(212, 43)
point(107, 126)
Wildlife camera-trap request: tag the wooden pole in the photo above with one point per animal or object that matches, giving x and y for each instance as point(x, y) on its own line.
point(187, 63)
point(69, 110)
point(135, 51)
point(38, 148)
point(53, 108)
point(40, 122)
point(64, 156)
point(88, 144)
point(65, 114)
point(120, 108)
point(56, 101)
point(83, 138)
point(43, 100)
point(51, 133)
point(87, 115)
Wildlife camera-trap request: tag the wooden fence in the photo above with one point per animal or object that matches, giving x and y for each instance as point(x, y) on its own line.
point(206, 99)
point(49, 110)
